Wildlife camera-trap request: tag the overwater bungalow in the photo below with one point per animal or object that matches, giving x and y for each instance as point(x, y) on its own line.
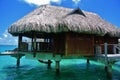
point(61, 33)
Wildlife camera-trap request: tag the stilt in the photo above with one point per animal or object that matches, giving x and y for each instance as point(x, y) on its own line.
point(108, 64)
point(18, 62)
point(88, 61)
point(49, 64)
point(34, 46)
point(109, 71)
point(19, 49)
point(106, 52)
point(57, 67)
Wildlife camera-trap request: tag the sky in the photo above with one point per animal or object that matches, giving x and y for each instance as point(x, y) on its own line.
point(13, 10)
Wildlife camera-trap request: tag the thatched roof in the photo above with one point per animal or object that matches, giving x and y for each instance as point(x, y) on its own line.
point(53, 19)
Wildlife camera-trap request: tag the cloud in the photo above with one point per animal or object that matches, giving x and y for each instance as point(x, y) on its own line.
point(40, 2)
point(8, 39)
point(76, 1)
point(5, 35)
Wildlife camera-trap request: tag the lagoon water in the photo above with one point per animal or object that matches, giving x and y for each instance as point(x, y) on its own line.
point(71, 69)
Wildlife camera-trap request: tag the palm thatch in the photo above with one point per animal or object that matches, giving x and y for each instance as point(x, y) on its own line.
point(52, 19)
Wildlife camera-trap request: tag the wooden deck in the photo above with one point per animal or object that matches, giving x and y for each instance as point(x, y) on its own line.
point(115, 57)
point(105, 55)
point(110, 57)
point(11, 53)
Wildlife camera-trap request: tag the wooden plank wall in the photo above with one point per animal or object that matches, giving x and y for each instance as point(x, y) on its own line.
point(79, 44)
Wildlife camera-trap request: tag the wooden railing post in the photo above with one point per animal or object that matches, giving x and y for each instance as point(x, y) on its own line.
point(34, 45)
point(106, 52)
point(114, 49)
point(97, 50)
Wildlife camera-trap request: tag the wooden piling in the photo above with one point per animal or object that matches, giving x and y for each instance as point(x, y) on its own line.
point(108, 65)
point(106, 52)
point(88, 61)
point(108, 70)
point(19, 49)
point(57, 67)
point(34, 46)
point(49, 64)
point(18, 61)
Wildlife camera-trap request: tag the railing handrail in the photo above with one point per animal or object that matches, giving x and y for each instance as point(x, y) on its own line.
point(109, 44)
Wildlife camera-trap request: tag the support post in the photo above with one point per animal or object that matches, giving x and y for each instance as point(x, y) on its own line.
point(66, 44)
point(34, 46)
point(49, 64)
point(114, 49)
point(106, 52)
point(19, 49)
point(88, 61)
point(57, 67)
point(18, 61)
point(109, 71)
point(108, 64)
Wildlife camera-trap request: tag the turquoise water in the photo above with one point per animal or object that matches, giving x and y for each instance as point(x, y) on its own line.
point(75, 69)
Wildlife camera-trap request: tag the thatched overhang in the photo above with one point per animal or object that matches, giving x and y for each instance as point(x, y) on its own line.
point(52, 19)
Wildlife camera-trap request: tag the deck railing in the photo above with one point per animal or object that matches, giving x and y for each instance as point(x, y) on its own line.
point(44, 47)
point(41, 47)
point(109, 48)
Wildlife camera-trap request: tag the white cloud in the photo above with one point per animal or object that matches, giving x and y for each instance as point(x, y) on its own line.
point(8, 39)
point(56, 1)
point(0, 38)
point(40, 2)
point(5, 35)
point(76, 1)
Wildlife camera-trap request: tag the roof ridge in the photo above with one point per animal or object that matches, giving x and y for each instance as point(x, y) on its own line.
point(77, 11)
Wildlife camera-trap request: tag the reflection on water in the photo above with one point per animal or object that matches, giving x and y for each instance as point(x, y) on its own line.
point(71, 69)
point(74, 69)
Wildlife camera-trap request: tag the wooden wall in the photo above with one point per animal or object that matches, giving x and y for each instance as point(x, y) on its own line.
point(79, 44)
point(59, 43)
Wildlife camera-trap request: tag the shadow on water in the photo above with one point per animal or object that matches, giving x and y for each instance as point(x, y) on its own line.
point(81, 71)
point(116, 71)
point(11, 71)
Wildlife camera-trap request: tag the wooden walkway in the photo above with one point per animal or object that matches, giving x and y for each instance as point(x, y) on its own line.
point(115, 56)
point(110, 57)
point(11, 53)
